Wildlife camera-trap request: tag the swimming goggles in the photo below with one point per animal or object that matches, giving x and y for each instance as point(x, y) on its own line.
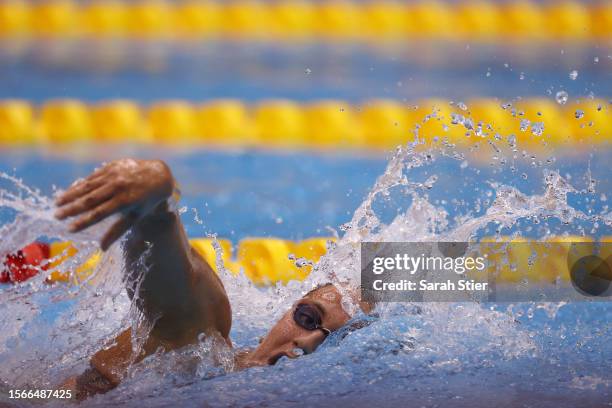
point(309, 318)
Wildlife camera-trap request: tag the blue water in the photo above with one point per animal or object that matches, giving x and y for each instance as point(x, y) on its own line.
point(450, 364)
point(456, 355)
point(301, 195)
point(202, 71)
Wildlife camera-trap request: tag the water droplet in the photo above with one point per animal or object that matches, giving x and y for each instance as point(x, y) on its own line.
point(537, 128)
point(478, 130)
point(573, 75)
point(462, 106)
point(524, 176)
point(562, 97)
point(308, 71)
point(522, 76)
point(579, 113)
point(468, 123)
point(524, 125)
point(457, 119)
point(196, 216)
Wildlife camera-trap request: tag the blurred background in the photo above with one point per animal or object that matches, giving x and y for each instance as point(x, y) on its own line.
point(291, 107)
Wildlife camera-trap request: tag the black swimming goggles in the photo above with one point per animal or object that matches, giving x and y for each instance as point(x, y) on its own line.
point(308, 317)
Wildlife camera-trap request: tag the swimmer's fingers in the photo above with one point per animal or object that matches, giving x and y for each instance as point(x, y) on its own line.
point(117, 230)
point(83, 186)
point(87, 202)
point(79, 189)
point(96, 215)
point(99, 172)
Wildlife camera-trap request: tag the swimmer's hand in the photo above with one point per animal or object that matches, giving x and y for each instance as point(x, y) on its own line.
point(132, 188)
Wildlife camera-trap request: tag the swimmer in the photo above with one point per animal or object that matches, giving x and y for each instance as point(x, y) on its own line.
point(179, 292)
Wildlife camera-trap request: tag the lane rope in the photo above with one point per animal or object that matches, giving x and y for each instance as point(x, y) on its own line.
point(371, 21)
point(327, 124)
point(266, 261)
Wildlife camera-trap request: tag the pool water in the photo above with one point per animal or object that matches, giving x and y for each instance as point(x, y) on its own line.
point(302, 195)
point(302, 72)
point(412, 354)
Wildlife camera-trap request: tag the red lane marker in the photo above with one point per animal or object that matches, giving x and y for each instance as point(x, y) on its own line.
point(25, 263)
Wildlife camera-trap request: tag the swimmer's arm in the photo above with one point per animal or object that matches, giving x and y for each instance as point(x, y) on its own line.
point(180, 291)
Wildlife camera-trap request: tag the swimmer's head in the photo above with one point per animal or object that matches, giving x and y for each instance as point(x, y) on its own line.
point(302, 328)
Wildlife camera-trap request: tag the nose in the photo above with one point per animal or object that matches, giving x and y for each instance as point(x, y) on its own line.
point(309, 341)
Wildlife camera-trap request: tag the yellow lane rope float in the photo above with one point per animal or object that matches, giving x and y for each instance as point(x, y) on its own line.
point(327, 124)
point(266, 261)
point(263, 260)
point(296, 20)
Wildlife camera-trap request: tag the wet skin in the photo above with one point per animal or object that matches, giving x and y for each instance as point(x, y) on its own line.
point(286, 335)
point(180, 292)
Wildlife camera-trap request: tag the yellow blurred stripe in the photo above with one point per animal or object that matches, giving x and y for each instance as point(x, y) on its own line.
point(172, 121)
point(104, 18)
point(589, 121)
point(385, 123)
point(16, 122)
point(224, 121)
point(378, 124)
point(54, 18)
point(432, 19)
point(65, 121)
point(292, 20)
point(197, 19)
point(118, 121)
point(15, 18)
point(338, 19)
point(568, 20)
point(245, 19)
point(388, 20)
point(522, 20)
point(332, 123)
point(280, 123)
point(149, 19)
point(480, 20)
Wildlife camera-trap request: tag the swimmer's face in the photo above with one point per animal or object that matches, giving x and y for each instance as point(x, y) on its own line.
point(286, 336)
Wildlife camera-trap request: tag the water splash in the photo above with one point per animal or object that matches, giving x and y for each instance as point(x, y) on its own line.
point(65, 325)
point(49, 332)
point(573, 75)
point(562, 97)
